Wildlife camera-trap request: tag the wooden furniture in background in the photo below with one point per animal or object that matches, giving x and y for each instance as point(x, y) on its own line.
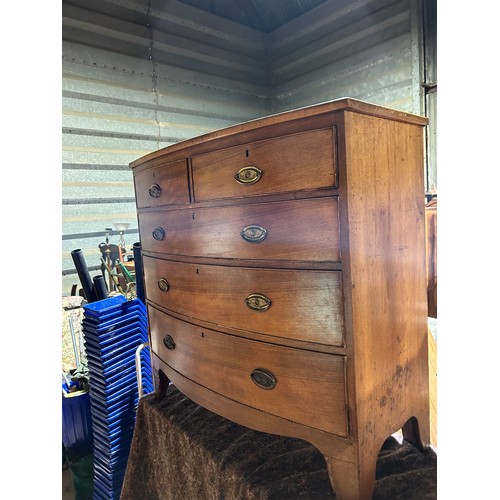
point(431, 262)
point(431, 252)
point(432, 388)
point(285, 278)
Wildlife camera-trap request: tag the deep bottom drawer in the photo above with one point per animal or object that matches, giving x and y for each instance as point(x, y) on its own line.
point(303, 386)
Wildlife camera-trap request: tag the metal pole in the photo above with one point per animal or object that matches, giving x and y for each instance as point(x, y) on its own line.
point(73, 338)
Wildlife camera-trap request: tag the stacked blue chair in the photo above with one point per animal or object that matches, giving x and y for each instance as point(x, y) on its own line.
point(113, 330)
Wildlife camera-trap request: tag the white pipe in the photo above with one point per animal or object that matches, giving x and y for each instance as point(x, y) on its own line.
point(138, 371)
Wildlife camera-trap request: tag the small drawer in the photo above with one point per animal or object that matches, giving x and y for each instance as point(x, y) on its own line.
point(304, 230)
point(302, 386)
point(289, 163)
point(163, 185)
point(294, 304)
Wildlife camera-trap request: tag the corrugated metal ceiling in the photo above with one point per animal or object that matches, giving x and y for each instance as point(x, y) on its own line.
point(262, 15)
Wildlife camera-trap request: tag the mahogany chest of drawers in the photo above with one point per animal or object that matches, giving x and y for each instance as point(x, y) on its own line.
point(285, 278)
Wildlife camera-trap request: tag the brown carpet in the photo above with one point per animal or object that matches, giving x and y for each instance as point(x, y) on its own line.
point(180, 451)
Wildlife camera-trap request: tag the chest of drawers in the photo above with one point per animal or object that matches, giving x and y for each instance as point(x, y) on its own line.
point(284, 270)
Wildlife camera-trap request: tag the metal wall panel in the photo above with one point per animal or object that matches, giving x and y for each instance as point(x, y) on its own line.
point(431, 138)
point(129, 88)
point(364, 49)
point(263, 15)
point(430, 84)
point(139, 75)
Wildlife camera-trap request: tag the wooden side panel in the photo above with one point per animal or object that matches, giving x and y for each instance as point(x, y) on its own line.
point(385, 275)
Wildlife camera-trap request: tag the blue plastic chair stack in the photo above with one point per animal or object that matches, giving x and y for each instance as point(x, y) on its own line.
point(113, 329)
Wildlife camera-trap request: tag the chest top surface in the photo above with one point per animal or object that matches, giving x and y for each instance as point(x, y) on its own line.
point(314, 115)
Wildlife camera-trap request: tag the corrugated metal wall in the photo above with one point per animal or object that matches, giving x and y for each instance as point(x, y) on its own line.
point(363, 49)
point(381, 51)
point(430, 85)
point(139, 75)
point(135, 78)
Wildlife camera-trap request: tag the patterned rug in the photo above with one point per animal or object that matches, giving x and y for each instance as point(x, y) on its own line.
point(180, 451)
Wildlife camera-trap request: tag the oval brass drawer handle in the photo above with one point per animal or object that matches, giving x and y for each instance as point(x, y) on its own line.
point(254, 233)
point(258, 302)
point(169, 343)
point(263, 378)
point(158, 233)
point(248, 175)
point(155, 191)
point(163, 285)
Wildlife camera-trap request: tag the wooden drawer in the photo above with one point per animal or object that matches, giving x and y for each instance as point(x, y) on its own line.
point(290, 163)
point(309, 387)
point(163, 185)
point(304, 305)
point(305, 230)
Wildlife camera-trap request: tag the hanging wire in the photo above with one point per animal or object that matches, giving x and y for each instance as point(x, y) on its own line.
point(154, 77)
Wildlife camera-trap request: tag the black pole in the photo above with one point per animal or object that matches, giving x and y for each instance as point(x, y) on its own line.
point(83, 274)
point(100, 287)
point(139, 276)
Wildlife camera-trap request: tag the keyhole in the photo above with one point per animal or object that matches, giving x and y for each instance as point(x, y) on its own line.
point(246, 152)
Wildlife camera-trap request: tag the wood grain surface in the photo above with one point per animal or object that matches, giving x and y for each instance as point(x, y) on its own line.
point(310, 386)
point(340, 195)
point(304, 230)
point(305, 305)
point(297, 161)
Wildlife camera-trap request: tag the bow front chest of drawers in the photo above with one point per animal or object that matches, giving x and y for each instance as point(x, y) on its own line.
point(284, 271)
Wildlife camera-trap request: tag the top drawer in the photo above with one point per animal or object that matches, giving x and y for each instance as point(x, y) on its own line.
point(163, 185)
point(294, 162)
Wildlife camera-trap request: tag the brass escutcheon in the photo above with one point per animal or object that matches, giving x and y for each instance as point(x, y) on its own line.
point(248, 175)
point(169, 343)
point(158, 233)
point(254, 233)
point(258, 302)
point(263, 378)
point(155, 191)
point(163, 285)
